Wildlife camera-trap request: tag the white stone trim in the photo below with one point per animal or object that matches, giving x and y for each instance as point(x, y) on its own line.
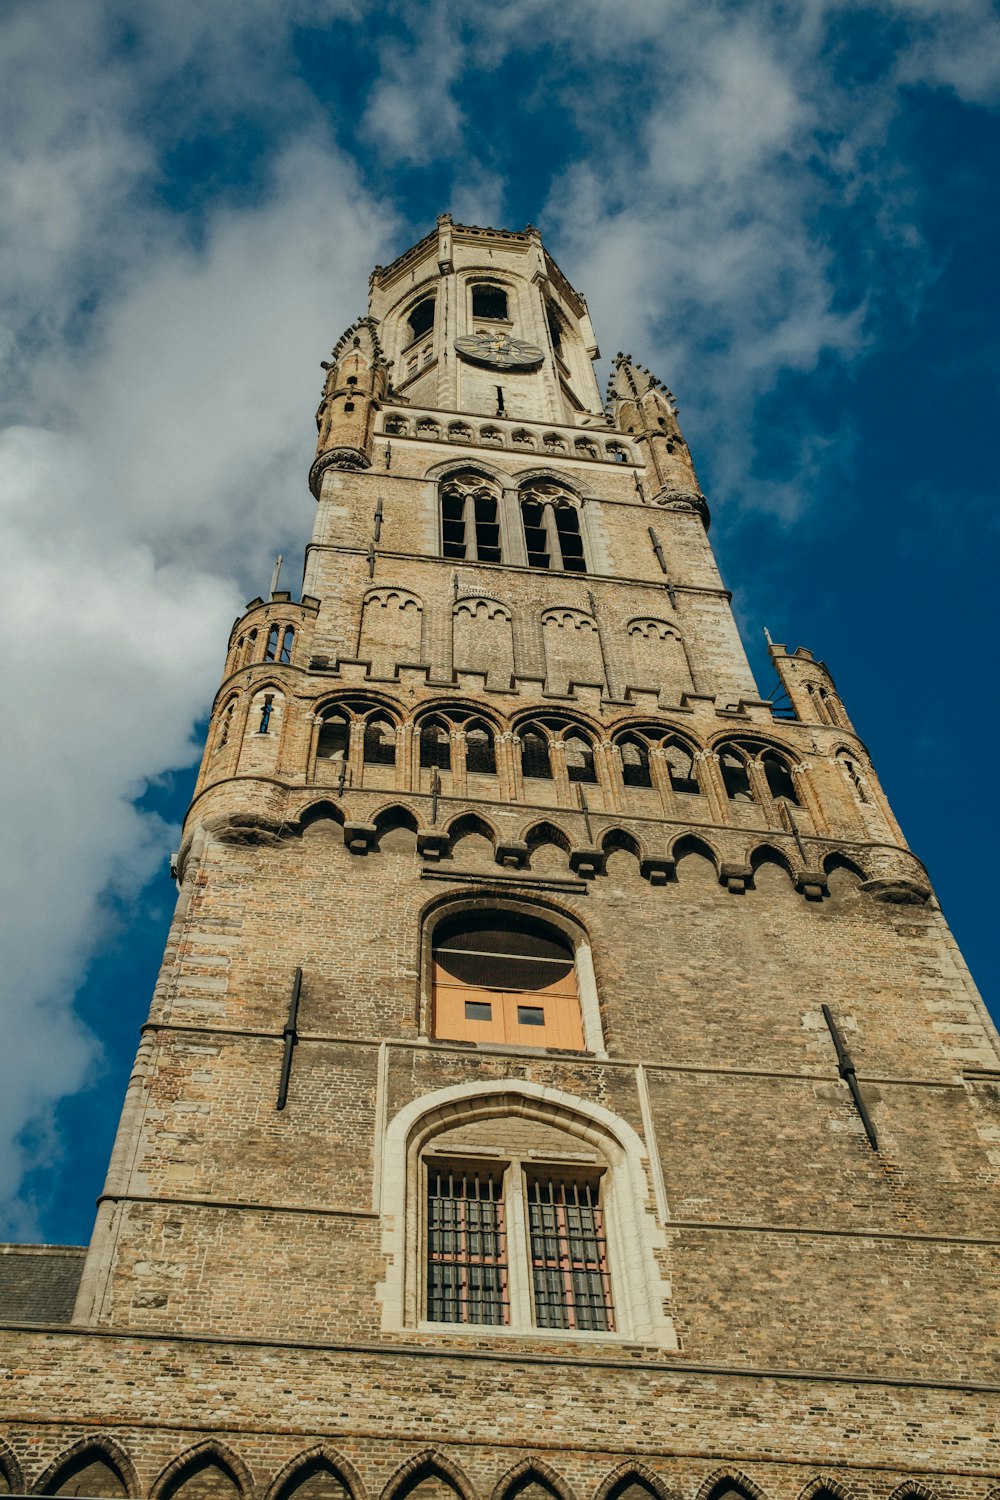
point(640, 1291)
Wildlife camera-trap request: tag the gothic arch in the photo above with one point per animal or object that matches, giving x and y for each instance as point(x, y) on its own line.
point(722, 1479)
point(634, 1473)
point(641, 1290)
point(767, 854)
point(819, 1488)
point(423, 1465)
point(568, 718)
point(619, 838)
point(319, 1455)
point(543, 474)
point(457, 709)
point(835, 860)
point(465, 823)
point(546, 832)
point(317, 812)
point(89, 1450)
point(691, 843)
point(358, 705)
point(532, 1470)
point(10, 1469)
point(910, 1491)
point(409, 817)
point(469, 603)
point(213, 1452)
point(449, 467)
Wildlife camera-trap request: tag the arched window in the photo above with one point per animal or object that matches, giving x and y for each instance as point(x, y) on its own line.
point(380, 741)
point(251, 647)
point(535, 763)
point(635, 761)
point(435, 744)
point(680, 765)
point(480, 750)
point(853, 774)
point(226, 723)
point(489, 301)
point(503, 976)
point(552, 536)
point(421, 319)
point(780, 781)
point(272, 643)
point(579, 758)
point(288, 641)
point(734, 775)
point(334, 737)
point(470, 519)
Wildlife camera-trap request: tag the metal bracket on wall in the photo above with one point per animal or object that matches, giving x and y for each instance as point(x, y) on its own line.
point(848, 1074)
point(291, 1035)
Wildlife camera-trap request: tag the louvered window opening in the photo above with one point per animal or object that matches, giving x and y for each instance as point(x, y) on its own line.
point(569, 1256)
point(535, 538)
point(466, 1248)
point(570, 540)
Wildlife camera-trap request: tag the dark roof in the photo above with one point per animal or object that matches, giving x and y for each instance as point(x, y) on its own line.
point(38, 1283)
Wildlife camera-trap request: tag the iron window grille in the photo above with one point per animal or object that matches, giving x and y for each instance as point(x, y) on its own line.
point(466, 1248)
point(569, 1256)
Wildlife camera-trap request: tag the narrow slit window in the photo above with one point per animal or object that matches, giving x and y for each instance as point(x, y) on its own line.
point(287, 643)
point(267, 708)
point(272, 643)
point(466, 1247)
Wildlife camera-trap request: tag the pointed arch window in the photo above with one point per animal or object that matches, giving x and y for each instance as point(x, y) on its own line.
point(380, 741)
point(272, 643)
point(251, 647)
point(470, 519)
point(420, 319)
point(334, 737)
point(580, 759)
point(287, 642)
point(435, 744)
point(480, 749)
point(780, 781)
point(635, 761)
point(226, 723)
point(681, 768)
point(535, 763)
point(735, 777)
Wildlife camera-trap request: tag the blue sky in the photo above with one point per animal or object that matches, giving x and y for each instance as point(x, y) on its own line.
point(789, 212)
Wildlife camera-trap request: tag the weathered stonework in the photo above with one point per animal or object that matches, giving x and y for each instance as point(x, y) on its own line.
point(797, 1313)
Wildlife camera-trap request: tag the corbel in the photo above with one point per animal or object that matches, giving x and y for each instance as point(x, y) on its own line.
point(657, 868)
point(736, 878)
point(360, 837)
point(512, 854)
point(812, 884)
point(587, 861)
point(432, 843)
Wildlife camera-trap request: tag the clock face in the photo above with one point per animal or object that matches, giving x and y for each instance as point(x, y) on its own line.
point(500, 351)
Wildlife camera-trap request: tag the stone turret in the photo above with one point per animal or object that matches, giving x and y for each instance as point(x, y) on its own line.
point(640, 404)
point(356, 385)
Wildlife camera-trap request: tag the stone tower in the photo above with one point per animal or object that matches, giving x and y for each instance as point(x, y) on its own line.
point(561, 1082)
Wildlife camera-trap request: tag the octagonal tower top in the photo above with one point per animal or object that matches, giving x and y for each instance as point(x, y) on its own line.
point(483, 321)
